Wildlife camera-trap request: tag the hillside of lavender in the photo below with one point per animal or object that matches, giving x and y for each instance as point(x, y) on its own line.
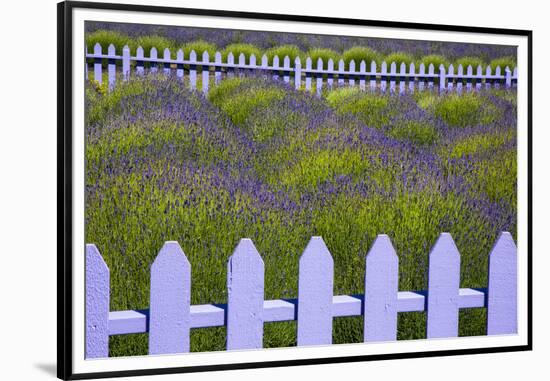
point(258, 159)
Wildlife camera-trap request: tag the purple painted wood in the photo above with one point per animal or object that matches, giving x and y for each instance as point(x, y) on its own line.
point(193, 70)
point(217, 68)
point(180, 72)
point(125, 63)
point(315, 294)
point(97, 64)
point(170, 299)
point(373, 76)
point(111, 66)
point(393, 72)
point(362, 73)
point(421, 73)
point(384, 79)
point(502, 287)
point(154, 60)
point(297, 73)
point(97, 304)
point(205, 71)
point(351, 79)
point(330, 68)
point(166, 65)
point(286, 71)
point(443, 286)
point(442, 78)
point(139, 61)
point(319, 79)
point(245, 297)
point(381, 287)
point(308, 74)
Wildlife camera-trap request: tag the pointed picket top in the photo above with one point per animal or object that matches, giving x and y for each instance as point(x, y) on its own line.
point(373, 66)
point(488, 70)
point(403, 68)
point(431, 69)
point(242, 59)
point(218, 57)
point(384, 67)
point(245, 297)
point(381, 287)
point(352, 66)
point(252, 60)
point(412, 68)
point(276, 61)
point(515, 72)
point(469, 70)
point(286, 62)
point(170, 298)
point(341, 65)
point(315, 293)
point(111, 50)
point(139, 52)
point(422, 68)
point(205, 57)
point(153, 52)
point(97, 48)
point(443, 288)
point(230, 58)
point(308, 63)
point(502, 287)
point(297, 61)
point(363, 66)
point(265, 61)
point(97, 304)
point(193, 56)
point(393, 68)
point(125, 62)
point(479, 70)
point(442, 69)
point(319, 63)
point(179, 55)
point(166, 54)
point(451, 69)
point(497, 71)
point(330, 64)
point(507, 69)
point(460, 70)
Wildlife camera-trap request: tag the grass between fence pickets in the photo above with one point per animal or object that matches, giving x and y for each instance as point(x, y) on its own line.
point(258, 159)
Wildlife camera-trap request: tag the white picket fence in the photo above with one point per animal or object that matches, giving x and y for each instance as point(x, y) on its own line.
point(314, 76)
point(171, 316)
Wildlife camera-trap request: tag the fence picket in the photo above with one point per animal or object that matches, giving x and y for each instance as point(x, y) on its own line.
point(205, 71)
point(381, 287)
point(515, 77)
point(362, 75)
point(297, 73)
point(86, 64)
point(341, 69)
point(286, 69)
point(384, 77)
point(459, 80)
point(372, 76)
point(508, 75)
point(443, 285)
point(97, 304)
point(487, 79)
point(275, 71)
point(217, 68)
point(111, 66)
point(264, 66)
point(412, 77)
point(140, 67)
point(330, 68)
point(469, 73)
point(170, 298)
point(450, 80)
point(479, 75)
point(319, 77)
point(125, 63)
point(245, 298)
point(308, 74)
point(502, 287)
point(431, 74)
point(497, 81)
point(393, 72)
point(421, 73)
point(351, 79)
point(442, 78)
point(153, 62)
point(166, 64)
point(180, 72)
point(98, 76)
point(242, 64)
point(193, 70)
point(315, 292)
point(402, 74)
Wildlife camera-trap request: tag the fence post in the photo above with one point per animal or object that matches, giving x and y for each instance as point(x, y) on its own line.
point(286, 69)
point(308, 74)
point(193, 70)
point(153, 62)
point(351, 75)
point(297, 73)
point(381, 287)
point(469, 73)
point(319, 77)
point(126, 62)
point(459, 79)
point(330, 78)
point(372, 75)
point(384, 76)
point(170, 299)
point(179, 66)
point(443, 286)
point(393, 73)
point(97, 304)
point(421, 76)
point(362, 75)
point(275, 71)
point(205, 71)
point(139, 61)
point(315, 293)
point(450, 80)
point(166, 63)
point(245, 298)
point(97, 64)
point(502, 287)
point(111, 66)
point(508, 77)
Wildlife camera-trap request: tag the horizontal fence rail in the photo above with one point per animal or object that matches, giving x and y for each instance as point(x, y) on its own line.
point(171, 316)
point(315, 76)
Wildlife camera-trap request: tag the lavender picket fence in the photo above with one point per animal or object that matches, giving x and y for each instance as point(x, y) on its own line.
point(382, 77)
point(171, 316)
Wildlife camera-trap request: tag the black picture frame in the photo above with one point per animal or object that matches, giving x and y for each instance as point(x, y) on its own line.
point(65, 182)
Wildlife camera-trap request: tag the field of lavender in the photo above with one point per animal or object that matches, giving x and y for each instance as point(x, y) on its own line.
point(255, 158)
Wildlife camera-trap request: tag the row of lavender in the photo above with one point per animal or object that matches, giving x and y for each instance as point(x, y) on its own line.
point(170, 316)
point(314, 75)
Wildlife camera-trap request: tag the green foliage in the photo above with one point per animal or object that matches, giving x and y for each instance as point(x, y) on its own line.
point(398, 58)
point(503, 62)
point(372, 109)
point(474, 62)
point(360, 53)
point(325, 55)
point(292, 51)
point(240, 48)
point(107, 37)
point(479, 143)
point(199, 47)
point(436, 60)
point(414, 131)
point(158, 42)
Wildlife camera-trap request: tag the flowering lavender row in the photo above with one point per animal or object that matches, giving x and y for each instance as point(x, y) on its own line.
point(259, 159)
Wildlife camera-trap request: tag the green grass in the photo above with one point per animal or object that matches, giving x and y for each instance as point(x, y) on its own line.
point(436, 60)
point(199, 47)
point(399, 58)
point(503, 62)
point(372, 109)
point(414, 131)
point(474, 62)
point(325, 55)
point(358, 54)
point(107, 37)
point(281, 51)
point(240, 48)
point(158, 42)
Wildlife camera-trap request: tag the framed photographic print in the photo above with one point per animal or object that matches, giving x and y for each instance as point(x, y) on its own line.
point(245, 190)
